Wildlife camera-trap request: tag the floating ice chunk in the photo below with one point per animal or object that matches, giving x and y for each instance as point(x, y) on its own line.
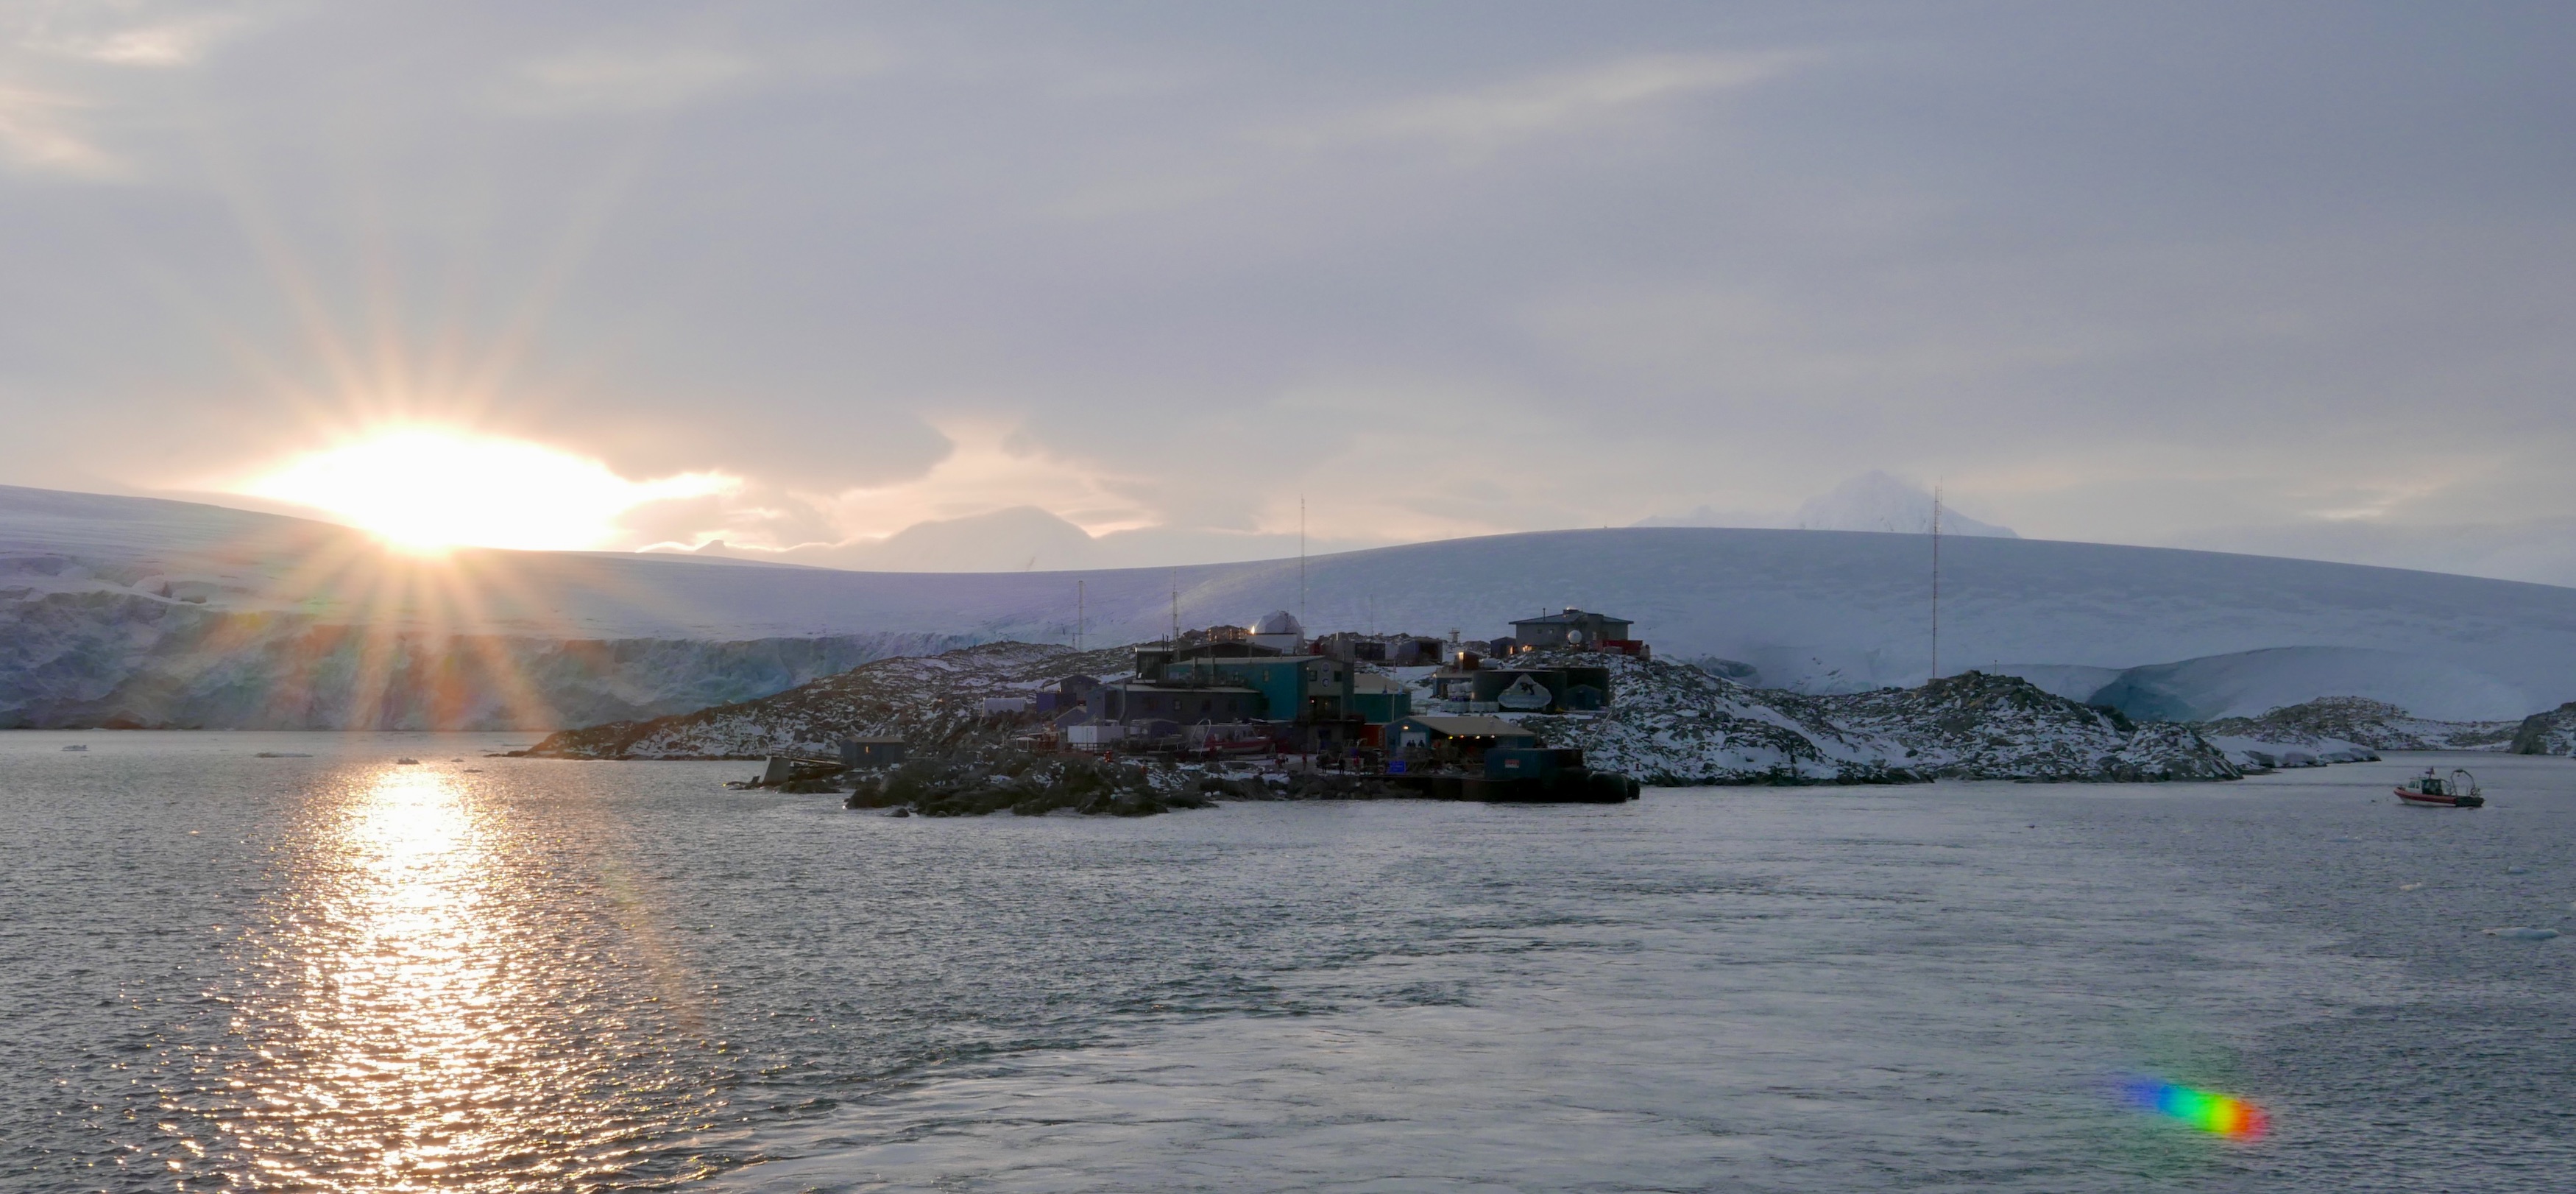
point(2517, 870)
point(2523, 933)
point(2408, 886)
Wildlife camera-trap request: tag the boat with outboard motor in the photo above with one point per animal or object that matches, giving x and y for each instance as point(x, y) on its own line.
point(2459, 790)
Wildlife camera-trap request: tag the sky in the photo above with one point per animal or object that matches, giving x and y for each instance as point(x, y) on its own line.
point(992, 286)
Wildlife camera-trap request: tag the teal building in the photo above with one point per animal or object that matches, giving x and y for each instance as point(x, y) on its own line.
point(1295, 687)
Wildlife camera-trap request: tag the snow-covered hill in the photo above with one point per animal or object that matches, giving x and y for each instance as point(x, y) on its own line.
point(2355, 721)
point(927, 701)
point(1674, 724)
point(87, 582)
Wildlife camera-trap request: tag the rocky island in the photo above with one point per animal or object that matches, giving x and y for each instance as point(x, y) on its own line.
point(979, 741)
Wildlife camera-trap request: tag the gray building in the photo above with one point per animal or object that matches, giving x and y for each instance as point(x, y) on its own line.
point(1573, 628)
point(871, 752)
point(1183, 703)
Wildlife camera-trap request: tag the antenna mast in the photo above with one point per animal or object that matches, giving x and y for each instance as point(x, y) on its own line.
point(1936, 579)
point(1077, 614)
point(1301, 562)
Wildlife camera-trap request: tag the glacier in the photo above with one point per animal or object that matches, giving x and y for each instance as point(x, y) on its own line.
point(126, 610)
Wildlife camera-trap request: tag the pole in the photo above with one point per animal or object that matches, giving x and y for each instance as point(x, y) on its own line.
point(1936, 579)
point(1077, 614)
point(1301, 563)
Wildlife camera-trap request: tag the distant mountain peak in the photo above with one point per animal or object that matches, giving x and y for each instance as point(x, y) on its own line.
point(1872, 501)
point(1877, 501)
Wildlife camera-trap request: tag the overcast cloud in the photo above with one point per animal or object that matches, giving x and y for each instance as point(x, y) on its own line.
point(2290, 278)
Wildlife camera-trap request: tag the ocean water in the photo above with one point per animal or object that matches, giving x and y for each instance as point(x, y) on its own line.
point(337, 972)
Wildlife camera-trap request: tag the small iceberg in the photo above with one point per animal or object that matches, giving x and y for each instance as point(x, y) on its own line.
point(2523, 933)
point(281, 754)
point(407, 762)
point(2408, 886)
point(2517, 870)
point(77, 746)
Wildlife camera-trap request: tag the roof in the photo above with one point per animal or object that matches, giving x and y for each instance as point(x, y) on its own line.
point(1372, 682)
point(1142, 686)
point(1469, 727)
point(1230, 649)
point(1278, 621)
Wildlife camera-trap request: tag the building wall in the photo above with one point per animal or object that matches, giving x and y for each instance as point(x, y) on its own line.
point(1287, 685)
point(1551, 632)
point(871, 753)
point(1379, 708)
point(1183, 705)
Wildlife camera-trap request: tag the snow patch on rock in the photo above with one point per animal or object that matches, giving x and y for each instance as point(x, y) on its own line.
point(928, 702)
point(1673, 724)
point(2346, 730)
point(2550, 733)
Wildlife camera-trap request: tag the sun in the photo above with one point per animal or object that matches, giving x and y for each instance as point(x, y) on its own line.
point(429, 489)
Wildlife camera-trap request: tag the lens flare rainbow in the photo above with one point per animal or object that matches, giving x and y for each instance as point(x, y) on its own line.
point(2217, 1114)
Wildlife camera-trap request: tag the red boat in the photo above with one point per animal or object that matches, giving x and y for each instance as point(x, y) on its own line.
point(2458, 791)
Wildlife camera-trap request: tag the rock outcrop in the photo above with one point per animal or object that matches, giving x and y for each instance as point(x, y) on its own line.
point(1980, 726)
point(2376, 725)
point(932, 702)
point(980, 783)
point(1676, 724)
point(2551, 733)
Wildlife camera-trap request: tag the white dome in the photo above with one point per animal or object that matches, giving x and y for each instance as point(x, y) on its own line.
point(1278, 621)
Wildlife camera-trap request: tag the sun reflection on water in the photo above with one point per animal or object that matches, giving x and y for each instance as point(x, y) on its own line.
point(448, 1013)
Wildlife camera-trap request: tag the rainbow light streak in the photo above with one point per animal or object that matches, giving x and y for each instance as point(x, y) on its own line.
point(2217, 1114)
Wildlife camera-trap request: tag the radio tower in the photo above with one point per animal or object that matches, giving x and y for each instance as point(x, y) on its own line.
point(1936, 579)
